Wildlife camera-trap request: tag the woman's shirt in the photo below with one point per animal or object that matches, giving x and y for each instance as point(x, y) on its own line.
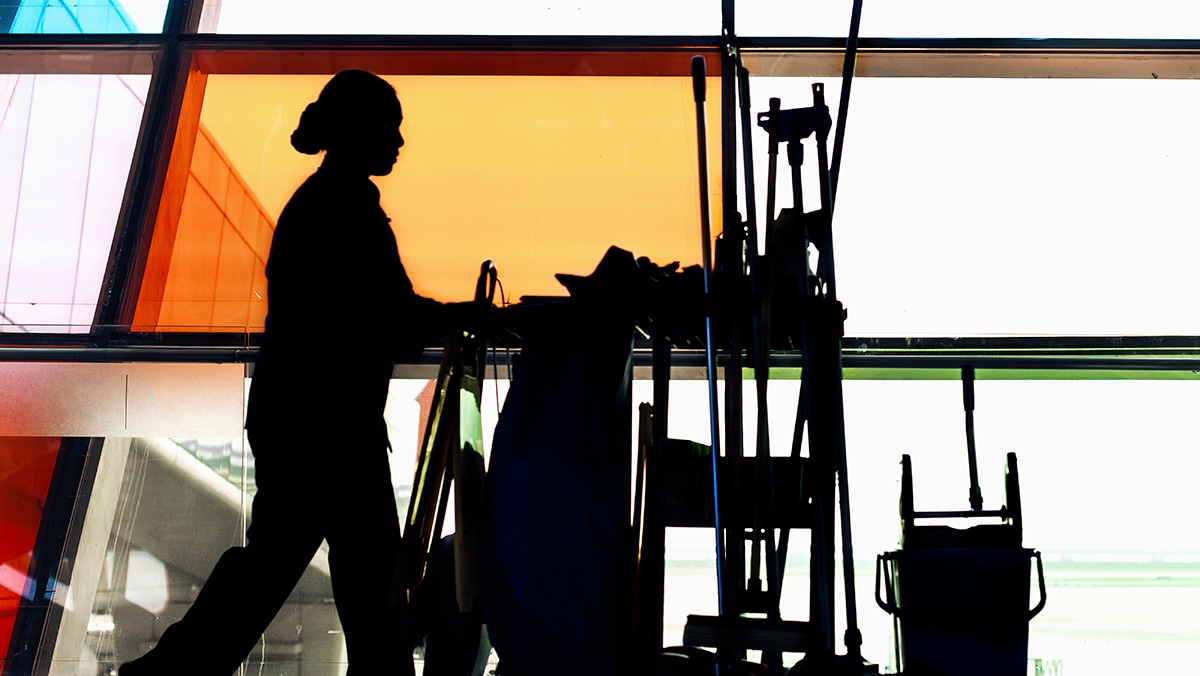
point(340, 310)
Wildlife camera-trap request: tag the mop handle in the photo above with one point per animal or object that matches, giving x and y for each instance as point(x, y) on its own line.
point(699, 73)
point(968, 382)
point(485, 285)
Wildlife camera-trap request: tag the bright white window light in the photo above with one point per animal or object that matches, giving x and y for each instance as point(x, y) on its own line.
point(101, 623)
point(146, 582)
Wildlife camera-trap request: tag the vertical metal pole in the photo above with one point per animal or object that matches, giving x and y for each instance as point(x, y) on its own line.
point(743, 78)
point(844, 98)
point(733, 265)
point(825, 264)
point(772, 159)
point(833, 326)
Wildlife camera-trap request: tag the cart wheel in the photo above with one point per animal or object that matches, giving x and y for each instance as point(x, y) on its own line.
point(692, 661)
point(682, 661)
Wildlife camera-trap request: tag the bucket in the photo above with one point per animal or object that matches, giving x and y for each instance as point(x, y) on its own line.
point(961, 610)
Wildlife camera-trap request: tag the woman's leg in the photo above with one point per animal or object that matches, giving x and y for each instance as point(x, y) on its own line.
point(249, 584)
point(364, 541)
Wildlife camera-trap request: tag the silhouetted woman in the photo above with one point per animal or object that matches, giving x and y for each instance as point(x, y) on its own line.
point(341, 309)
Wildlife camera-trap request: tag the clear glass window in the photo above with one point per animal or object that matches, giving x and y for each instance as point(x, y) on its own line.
point(983, 207)
point(473, 17)
point(1106, 469)
point(66, 144)
point(980, 19)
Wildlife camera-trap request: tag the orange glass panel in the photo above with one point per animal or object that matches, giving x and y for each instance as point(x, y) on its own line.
point(192, 280)
point(157, 265)
point(540, 173)
point(26, 465)
point(206, 265)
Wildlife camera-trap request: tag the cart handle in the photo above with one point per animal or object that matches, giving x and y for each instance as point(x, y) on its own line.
point(889, 606)
point(1041, 587)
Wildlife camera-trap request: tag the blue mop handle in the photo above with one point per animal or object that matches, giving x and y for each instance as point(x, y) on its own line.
point(699, 73)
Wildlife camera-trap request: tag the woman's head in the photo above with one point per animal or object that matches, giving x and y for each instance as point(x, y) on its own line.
point(356, 121)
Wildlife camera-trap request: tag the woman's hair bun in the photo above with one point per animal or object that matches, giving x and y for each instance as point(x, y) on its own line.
point(345, 101)
point(312, 133)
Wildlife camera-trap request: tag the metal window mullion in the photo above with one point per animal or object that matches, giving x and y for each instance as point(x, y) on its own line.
point(135, 225)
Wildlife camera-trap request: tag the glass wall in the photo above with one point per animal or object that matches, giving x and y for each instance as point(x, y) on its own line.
point(160, 511)
point(1020, 173)
point(507, 157)
point(1106, 472)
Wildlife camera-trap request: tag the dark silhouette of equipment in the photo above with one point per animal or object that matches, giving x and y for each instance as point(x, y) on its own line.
point(441, 576)
point(781, 299)
point(959, 597)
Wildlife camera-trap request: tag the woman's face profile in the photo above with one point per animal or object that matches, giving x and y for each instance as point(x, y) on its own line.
point(372, 144)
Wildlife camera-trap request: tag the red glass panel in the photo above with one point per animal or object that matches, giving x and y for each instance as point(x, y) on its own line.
point(26, 465)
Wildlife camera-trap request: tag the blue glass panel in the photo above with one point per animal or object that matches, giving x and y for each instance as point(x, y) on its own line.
point(81, 16)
